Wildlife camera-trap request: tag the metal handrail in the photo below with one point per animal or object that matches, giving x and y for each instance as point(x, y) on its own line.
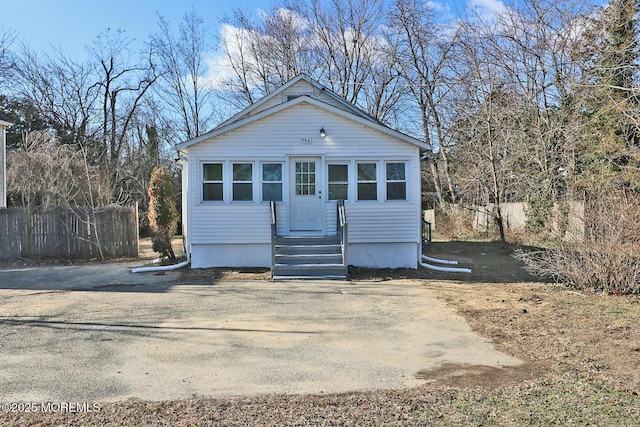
point(343, 231)
point(274, 226)
point(426, 233)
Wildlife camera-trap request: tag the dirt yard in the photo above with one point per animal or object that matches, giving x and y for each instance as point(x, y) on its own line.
point(582, 353)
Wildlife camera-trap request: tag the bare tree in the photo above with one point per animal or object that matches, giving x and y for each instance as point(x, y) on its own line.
point(183, 66)
point(532, 46)
point(342, 44)
point(516, 77)
point(61, 90)
point(122, 85)
point(265, 52)
point(7, 60)
point(356, 59)
point(424, 53)
point(487, 124)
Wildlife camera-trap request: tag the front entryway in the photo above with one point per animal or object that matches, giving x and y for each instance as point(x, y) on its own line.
point(306, 199)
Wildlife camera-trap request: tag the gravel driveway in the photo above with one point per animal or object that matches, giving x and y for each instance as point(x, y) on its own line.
point(100, 333)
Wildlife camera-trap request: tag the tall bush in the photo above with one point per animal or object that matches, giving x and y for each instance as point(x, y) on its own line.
point(163, 216)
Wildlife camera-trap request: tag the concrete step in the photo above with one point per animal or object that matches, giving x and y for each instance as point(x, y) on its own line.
point(309, 270)
point(308, 249)
point(309, 258)
point(322, 277)
point(307, 240)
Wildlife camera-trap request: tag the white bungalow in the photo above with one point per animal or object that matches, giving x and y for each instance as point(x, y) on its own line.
point(290, 159)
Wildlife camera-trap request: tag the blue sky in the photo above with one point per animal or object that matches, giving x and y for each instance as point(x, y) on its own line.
point(72, 24)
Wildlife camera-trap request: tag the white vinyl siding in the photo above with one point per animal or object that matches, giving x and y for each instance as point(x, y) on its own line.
point(230, 223)
point(388, 222)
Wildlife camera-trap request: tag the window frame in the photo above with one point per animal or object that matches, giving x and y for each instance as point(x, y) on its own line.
point(365, 182)
point(329, 182)
point(205, 182)
point(395, 181)
point(263, 181)
point(249, 182)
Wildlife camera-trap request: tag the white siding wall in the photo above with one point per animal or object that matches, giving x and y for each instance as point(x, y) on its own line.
point(230, 223)
point(277, 138)
point(185, 201)
point(281, 134)
point(390, 222)
point(383, 255)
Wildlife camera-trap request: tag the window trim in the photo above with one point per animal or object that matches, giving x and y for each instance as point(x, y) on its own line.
point(222, 181)
point(262, 181)
point(347, 182)
point(250, 182)
point(375, 181)
point(387, 181)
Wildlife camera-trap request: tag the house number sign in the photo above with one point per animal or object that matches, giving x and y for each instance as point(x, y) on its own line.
point(306, 141)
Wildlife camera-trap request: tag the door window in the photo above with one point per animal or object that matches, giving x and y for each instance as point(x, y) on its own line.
point(305, 178)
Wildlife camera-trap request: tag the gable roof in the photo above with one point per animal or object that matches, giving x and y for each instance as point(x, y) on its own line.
point(341, 108)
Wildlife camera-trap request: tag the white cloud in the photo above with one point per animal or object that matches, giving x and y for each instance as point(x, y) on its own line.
point(437, 6)
point(488, 10)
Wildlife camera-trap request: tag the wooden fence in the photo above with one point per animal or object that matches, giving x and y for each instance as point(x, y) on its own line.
point(64, 233)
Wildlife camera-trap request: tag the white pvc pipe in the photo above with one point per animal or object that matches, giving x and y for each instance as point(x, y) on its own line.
point(160, 267)
point(439, 261)
point(437, 268)
point(446, 269)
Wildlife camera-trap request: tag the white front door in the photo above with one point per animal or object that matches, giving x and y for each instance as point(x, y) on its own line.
point(306, 198)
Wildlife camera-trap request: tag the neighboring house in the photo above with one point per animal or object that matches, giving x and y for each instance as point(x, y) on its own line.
point(304, 148)
point(3, 162)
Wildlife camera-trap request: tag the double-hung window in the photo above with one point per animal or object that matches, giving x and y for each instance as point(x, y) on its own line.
point(338, 182)
point(396, 181)
point(242, 182)
point(271, 182)
point(367, 181)
point(212, 184)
